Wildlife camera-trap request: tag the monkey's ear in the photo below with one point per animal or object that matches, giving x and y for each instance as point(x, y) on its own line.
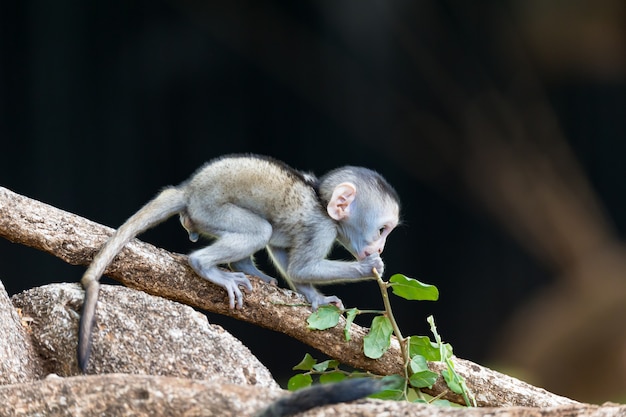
point(339, 205)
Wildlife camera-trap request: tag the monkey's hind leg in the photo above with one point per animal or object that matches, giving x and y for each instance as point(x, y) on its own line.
point(247, 266)
point(241, 234)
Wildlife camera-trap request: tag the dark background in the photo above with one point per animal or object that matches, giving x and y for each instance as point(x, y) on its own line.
point(103, 103)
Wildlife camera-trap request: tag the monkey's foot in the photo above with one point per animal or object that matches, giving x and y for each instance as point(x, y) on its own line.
point(231, 282)
point(236, 280)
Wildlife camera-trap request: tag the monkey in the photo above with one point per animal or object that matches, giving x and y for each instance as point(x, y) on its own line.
point(320, 395)
point(247, 203)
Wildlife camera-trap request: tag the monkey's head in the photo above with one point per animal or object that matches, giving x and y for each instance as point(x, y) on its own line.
point(365, 207)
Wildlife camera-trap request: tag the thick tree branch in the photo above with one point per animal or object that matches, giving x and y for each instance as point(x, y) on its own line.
point(157, 271)
point(147, 395)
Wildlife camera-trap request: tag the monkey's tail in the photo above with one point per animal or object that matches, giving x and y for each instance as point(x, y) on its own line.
point(167, 203)
point(325, 394)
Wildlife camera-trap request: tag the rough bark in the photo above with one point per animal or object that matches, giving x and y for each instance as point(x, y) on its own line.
point(145, 395)
point(159, 272)
point(18, 361)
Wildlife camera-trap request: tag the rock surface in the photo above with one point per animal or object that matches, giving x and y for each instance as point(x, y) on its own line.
point(18, 360)
point(136, 333)
point(148, 395)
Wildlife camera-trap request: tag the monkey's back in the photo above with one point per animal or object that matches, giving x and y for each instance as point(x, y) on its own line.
point(262, 185)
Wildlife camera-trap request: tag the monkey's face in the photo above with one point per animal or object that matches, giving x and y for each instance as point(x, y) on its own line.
point(364, 231)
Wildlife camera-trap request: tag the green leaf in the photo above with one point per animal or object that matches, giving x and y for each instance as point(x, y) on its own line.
point(332, 377)
point(447, 351)
point(452, 381)
point(418, 364)
point(421, 375)
point(389, 394)
point(378, 340)
point(393, 381)
point(412, 289)
point(324, 318)
point(422, 345)
point(323, 366)
point(350, 315)
point(423, 379)
point(394, 388)
point(420, 401)
point(299, 381)
point(306, 364)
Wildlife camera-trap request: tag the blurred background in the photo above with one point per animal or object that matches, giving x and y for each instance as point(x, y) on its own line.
point(502, 124)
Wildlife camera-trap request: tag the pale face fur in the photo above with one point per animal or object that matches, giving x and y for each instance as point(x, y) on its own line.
point(365, 220)
point(365, 207)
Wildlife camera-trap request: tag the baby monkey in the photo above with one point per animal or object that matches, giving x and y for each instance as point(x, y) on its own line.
point(250, 202)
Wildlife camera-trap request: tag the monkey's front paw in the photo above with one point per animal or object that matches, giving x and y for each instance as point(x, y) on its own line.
point(371, 262)
point(326, 300)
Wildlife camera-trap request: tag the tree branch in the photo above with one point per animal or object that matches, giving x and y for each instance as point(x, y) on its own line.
point(156, 271)
point(147, 395)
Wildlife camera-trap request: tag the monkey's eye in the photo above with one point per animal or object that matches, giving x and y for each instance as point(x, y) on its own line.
point(381, 230)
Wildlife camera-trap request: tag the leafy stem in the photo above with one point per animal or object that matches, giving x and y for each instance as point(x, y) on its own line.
point(384, 286)
point(416, 351)
point(455, 381)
